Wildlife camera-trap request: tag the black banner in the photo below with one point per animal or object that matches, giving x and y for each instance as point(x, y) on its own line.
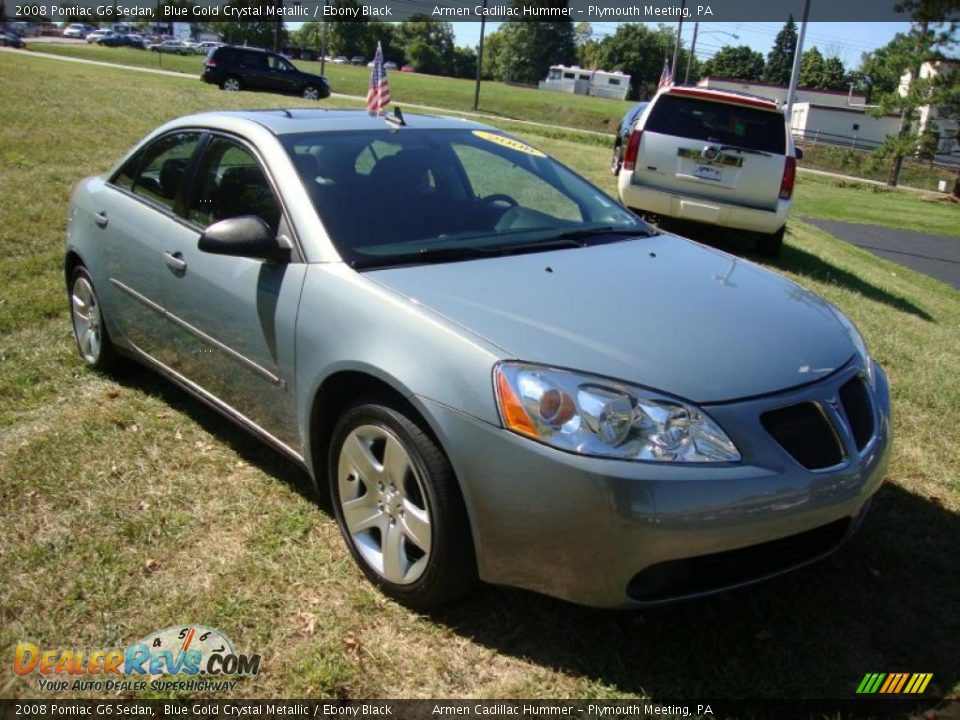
point(482, 709)
point(463, 10)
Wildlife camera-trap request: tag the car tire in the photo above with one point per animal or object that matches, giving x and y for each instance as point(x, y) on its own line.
point(771, 245)
point(231, 83)
point(617, 162)
point(311, 92)
point(399, 507)
point(89, 325)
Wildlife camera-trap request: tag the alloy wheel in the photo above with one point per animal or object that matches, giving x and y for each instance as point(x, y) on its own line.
point(86, 319)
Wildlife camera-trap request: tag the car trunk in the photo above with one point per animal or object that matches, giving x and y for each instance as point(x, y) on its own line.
point(727, 151)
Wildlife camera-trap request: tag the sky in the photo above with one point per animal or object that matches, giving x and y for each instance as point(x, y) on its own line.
point(848, 41)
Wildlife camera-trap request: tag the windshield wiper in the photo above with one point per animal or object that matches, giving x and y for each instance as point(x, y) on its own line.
point(584, 233)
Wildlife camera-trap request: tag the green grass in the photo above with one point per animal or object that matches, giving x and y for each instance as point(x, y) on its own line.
point(835, 199)
point(577, 111)
point(102, 475)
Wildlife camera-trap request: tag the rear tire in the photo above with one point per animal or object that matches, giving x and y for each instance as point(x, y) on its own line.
point(231, 83)
point(771, 245)
point(89, 325)
point(399, 507)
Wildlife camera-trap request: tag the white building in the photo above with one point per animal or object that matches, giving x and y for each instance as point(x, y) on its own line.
point(582, 81)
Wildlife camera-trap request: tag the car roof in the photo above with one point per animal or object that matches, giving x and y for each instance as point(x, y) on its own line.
point(726, 96)
point(281, 121)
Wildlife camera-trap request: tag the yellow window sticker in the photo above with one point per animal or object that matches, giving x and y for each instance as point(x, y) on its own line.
point(508, 143)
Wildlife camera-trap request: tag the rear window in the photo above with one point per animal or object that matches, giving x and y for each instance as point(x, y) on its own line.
point(718, 122)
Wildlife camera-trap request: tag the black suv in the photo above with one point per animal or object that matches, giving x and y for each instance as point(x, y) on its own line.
point(237, 68)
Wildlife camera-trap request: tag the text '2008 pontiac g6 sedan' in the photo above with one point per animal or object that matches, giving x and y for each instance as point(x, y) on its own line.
point(496, 370)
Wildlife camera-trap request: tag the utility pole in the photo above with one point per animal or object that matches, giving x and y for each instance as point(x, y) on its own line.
point(476, 90)
point(693, 48)
point(676, 47)
point(279, 29)
point(906, 118)
point(326, 34)
point(797, 56)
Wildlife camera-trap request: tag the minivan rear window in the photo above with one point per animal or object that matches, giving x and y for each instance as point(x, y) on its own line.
point(718, 122)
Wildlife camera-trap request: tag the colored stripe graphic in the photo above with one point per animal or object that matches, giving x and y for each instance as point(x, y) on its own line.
point(894, 683)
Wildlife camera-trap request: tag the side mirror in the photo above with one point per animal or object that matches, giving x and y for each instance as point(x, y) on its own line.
point(244, 236)
point(799, 153)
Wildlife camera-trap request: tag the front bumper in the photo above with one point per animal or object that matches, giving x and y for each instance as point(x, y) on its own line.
point(585, 529)
point(701, 209)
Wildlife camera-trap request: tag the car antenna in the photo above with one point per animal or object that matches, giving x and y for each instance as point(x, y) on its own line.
point(287, 112)
point(397, 118)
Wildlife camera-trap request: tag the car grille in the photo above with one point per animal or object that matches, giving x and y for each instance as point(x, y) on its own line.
point(804, 431)
point(708, 573)
point(859, 411)
point(808, 430)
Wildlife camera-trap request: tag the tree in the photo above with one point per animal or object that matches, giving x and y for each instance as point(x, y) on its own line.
point(821, 73)
point(640, 51)
point(426, 44)
point(309, 36)
point(256, 33)
point(530, 47)
point(780, 60)
point(492, 47)
point(736, 63)
point(463, 62)
point(880, 71)
point(582, 34)
point(351, 36)
point(937, 90)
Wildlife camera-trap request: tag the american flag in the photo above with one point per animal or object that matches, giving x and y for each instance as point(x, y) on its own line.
point(666, 77)
point(378, 97)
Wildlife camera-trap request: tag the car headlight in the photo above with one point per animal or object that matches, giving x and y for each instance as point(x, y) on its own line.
point(595, 416)
point(858, 342)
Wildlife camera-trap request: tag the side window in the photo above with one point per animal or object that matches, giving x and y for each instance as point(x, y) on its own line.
point(489, 173)
point(230, 182)
point(163, 167)
point(278, 63)
point(126, 174)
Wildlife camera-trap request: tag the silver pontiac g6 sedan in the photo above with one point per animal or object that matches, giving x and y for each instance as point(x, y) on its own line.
point(498, 371)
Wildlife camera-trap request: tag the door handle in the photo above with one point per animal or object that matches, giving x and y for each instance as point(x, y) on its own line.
point(101, 218)
point(175, 262)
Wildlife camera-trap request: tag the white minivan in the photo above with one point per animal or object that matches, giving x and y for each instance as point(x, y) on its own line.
point(713, 157)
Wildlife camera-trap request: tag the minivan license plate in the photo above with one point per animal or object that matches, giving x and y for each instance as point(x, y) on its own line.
point(706, 172)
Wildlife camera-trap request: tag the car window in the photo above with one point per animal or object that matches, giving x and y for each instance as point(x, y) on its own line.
point(230, 183)
point(254, 59)
point(163, 167)
point(720, 122)
point(278, 63)
point(488, 173)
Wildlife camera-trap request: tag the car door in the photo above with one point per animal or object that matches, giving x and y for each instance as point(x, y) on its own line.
point(138, 217)
point(254, 72)
point(233, 318)
point(283, 76)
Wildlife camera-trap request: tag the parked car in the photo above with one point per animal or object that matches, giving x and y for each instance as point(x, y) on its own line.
point(712, 157)
point(113, 40)
point(97, 35)
point(206, 46)
point(176, 47)
point(238, 68)
point(9, 39)
point(340, 60)
point(390, 65)
point(78, 30)
point(357, 60)
point(623, 135)
point(498, 372)
point(408, 68)
point(135, 40)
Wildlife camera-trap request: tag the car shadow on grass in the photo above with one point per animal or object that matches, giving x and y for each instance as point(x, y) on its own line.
point(796, 260)
point(252, 450)
point(885, 602)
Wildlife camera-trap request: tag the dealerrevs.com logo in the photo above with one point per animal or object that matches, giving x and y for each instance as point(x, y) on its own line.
point(205, 655)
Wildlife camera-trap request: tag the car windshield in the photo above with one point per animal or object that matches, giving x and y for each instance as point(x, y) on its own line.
point(721, 122)
point(411, 196)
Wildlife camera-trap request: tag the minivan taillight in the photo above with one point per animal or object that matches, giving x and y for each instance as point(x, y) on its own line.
point(789, 176)
point(633, 147)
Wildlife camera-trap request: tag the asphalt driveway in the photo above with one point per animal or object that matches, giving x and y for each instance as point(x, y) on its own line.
point(934, 255)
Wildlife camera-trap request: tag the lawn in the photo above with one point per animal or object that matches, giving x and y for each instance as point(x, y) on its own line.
point(129, 507)
point(578, 111)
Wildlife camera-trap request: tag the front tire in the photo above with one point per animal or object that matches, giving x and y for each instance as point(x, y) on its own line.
point(771, 245)
point(399, 507)
point(89, 327)
point(311, 92)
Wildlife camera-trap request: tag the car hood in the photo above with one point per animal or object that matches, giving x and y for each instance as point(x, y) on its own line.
point(662, 312)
